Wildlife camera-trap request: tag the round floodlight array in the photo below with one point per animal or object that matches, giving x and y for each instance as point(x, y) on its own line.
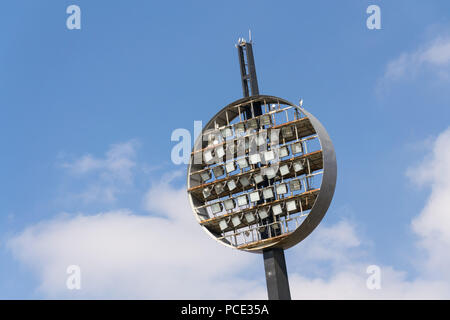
point(257, 172)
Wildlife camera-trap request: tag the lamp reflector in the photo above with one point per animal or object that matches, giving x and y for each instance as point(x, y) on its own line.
point(219, 187)
point(249, 217)
point(265, 120)
point(206, 192)
point(230, 167)
point(258, 178)
point(231, 185)
point(269, 155)
point(252, 124)
point(236, 221)
point(263, 213)
point(205, 175)
point(242, 162)
point(229, 204)
point(295, 185)
point(277, 209)
point(242, 200)
point(208, 156)
point(284, 152)
point(223, 225)
point(268, 193)
point(291, 205)
point(297, 148)
point(226, 132)
point(270, 172)
point(216, 207)
point(284, 170)
point(244, 181)
point(287, 132)
point(218, 171)
point(239, 128)
point(220, 152)
point(254, 196)
point(298, 166)
point(281, 188)
point(261, 139)
point(255, 158)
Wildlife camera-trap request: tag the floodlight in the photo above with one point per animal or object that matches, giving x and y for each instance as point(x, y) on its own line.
point(208, 155)
point(249, 217)
point(297, 147)
point(218, 171)
point(261, 139)
point(295, 185)
point(252, 124)
point(247, 123)
point(258, 178)
point(246, 177)
point(239, 128)
point(277, 209)
point(223, 225)
point(230, 167)
point(216, 207)
point(298, 166)
point(226, 132)
point(229, 204)
point(242, 162)
point(281, 188)
point(206, 192)
point(242, 146)
point(219, 187)
point(231, 185)
point(265, 120)
point(263, 213)
point(270, 172)
point(269, 155)
point(287, 132)
point(268, 193)
point(242, 200)
point(205, 175)
point(291, 205)
point(244, 181)
point(236, 221)
point(255, 158)
point(254, 196)
point(220, 152)
point(284, 169)
point(283, 152)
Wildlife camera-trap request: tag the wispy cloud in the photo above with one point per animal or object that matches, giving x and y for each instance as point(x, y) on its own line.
point(126, 255)
point(106, 176)
point(433, 224)
point(434, 56)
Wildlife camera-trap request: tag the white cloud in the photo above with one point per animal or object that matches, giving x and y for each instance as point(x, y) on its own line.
point(107, 176)
point(433, 224)
point(434, 56)
point(125, 255)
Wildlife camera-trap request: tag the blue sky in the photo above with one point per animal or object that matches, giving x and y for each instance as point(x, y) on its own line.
point(87, 117)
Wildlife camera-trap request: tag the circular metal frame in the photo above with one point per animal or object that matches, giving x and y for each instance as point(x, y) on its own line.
point(327, 187)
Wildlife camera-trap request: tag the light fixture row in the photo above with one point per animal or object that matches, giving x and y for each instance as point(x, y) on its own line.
point(243, 144)
point(255, 196)
point(290, 206)
point(263, 157)
point(254, 179)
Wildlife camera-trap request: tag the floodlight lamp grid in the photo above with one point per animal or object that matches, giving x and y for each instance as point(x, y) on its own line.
point(236, 190)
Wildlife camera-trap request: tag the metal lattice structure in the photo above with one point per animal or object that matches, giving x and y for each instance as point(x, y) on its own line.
point(261, 175)
point(287, 148)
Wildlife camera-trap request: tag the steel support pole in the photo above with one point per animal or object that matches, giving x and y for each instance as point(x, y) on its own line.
point(274, 261)
point(276, 274)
